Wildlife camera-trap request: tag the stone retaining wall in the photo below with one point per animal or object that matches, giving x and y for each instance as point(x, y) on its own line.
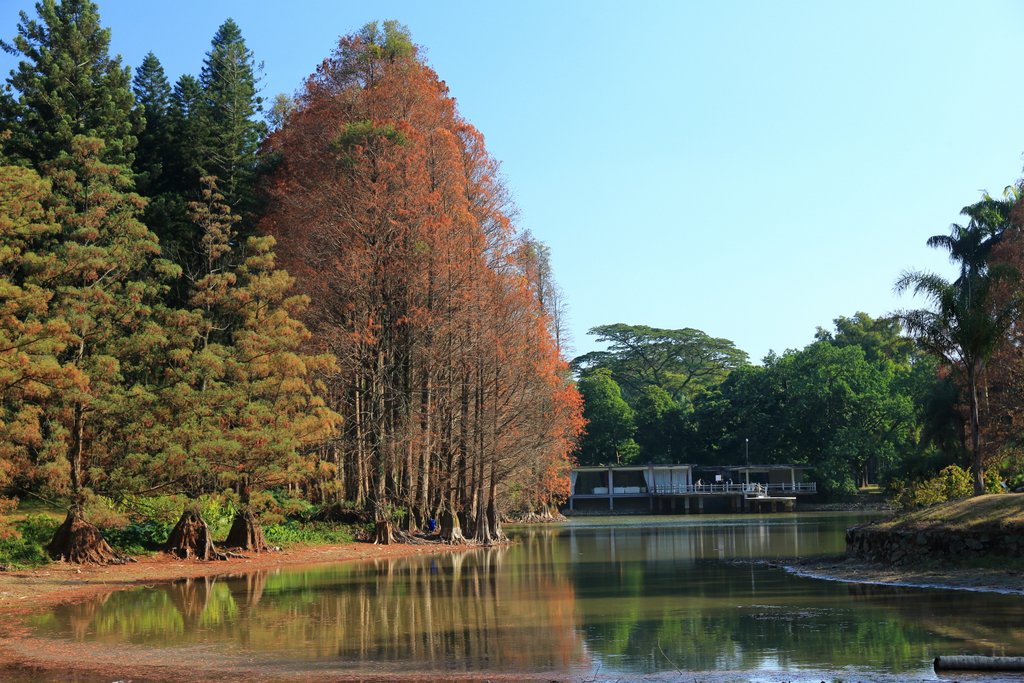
point(896, 546)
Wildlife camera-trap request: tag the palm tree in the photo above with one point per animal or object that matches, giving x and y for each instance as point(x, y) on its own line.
point(967, 321)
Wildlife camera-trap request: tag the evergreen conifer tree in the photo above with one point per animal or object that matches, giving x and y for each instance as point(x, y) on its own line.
point(106, 279)
point(68, 85)
point(185, 118)
point(256, 384)
point(232, 133)
point(153, 93)
point(31, 337)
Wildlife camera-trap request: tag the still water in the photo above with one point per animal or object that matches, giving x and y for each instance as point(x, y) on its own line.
point(597, 599)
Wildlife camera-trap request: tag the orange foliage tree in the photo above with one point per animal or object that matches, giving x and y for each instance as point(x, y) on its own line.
point(390, 214)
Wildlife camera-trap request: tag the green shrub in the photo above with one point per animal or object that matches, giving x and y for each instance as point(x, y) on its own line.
point(27, 547)
point(139, 536)
point(217, 513)
point(951, 483)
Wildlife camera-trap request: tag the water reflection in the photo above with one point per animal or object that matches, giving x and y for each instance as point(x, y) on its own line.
point(622, 597)
point(457, 611)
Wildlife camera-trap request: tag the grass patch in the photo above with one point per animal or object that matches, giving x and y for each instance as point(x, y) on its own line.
point(293, 532)
point(992, 511)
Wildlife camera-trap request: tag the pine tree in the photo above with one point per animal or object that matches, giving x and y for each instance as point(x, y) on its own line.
point(31, 337)
point(252, 411)
point(232, 134)
point(174, 165)
point(68, 85)
point(105, 278)
point(153, 93)
point(186, 125)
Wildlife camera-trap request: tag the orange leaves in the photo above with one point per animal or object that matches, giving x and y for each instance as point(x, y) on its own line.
point(389, 211)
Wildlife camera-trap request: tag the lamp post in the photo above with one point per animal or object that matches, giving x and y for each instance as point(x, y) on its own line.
point(746, 450)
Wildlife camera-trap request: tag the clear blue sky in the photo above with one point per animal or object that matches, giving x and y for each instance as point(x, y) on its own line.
point(750, 169)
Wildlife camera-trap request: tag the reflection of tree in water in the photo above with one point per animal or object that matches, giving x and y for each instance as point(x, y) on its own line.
point(81, 615)
point(470, 610)
point(137, 616)
point(191, 597)
point(953, 619)
point(450, 610)
point(657, 599)
point(636, 600)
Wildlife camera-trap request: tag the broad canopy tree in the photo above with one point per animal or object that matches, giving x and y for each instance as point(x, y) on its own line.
point(683, 362)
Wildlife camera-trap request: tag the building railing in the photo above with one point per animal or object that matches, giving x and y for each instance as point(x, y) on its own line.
point(801, 487)
point(702, 489)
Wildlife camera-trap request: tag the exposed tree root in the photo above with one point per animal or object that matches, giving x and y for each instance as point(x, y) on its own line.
point(400, 536)
point(384, 533)
point(545, 517)
point(246, 534)
point(191, 538)
point(80, 542)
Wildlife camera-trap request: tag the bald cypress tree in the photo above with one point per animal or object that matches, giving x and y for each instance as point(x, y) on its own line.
point(106, 281)
point(73, 116)
point(31, 338)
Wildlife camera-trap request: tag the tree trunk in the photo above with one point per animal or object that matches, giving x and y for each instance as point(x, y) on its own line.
point(482, 529)
point(451, 530)
point(78, 541)
point(493, 517)
point(246, 533)
point(191, 538)
point(384, 532)
point(978, 464)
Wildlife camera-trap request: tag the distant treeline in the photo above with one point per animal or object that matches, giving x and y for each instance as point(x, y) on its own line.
point(874, 401)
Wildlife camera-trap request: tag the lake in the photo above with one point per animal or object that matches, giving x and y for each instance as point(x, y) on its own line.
point(598, 599)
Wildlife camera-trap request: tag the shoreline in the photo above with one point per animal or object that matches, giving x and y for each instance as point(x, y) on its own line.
point(24, 591)
point(1004, 580)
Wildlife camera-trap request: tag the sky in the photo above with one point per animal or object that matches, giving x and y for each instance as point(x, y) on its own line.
point(750, 169)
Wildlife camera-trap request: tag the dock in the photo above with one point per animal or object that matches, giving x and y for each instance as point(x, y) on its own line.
point(684, 489)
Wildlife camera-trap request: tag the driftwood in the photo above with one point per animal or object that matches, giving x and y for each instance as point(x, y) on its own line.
point(978, 663)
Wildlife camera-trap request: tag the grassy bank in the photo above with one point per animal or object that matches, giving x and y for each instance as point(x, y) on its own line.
point(1002, 512)
point(29, 528)
point(970, 544)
